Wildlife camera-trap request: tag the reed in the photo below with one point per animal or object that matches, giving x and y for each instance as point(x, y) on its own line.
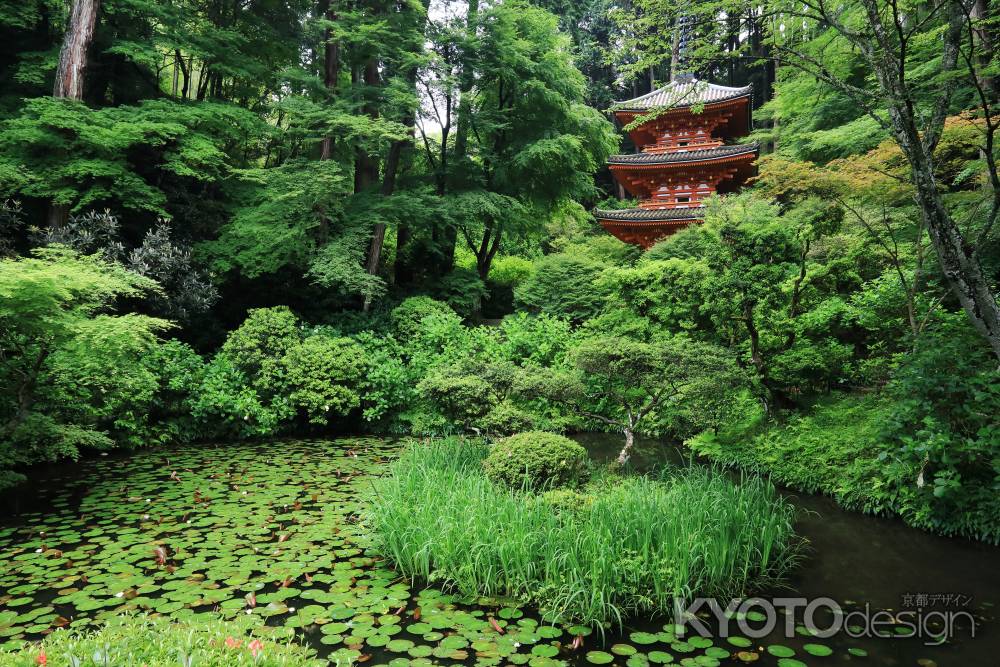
point(641, 543)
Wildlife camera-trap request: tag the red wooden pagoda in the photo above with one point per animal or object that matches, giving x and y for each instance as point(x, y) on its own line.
point(683, 156)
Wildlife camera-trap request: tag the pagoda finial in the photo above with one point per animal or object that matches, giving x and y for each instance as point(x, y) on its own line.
point(679, 68)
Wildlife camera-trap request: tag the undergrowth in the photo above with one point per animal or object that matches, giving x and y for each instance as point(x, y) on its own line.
point(128, 641)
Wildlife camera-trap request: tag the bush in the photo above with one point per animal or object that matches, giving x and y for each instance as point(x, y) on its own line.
point(626, 547)
point(407, 316)
point(536, 459)
point(463, 290)
point(126, 641)
point(71, 369)
point(462, 397)
point(227, 406)
point(567, 500)
point(510, 270)
point(322, 376)
point(924, 448)
point(565, 286)
point(941, 445)
point(507, 419)
point(181, 372)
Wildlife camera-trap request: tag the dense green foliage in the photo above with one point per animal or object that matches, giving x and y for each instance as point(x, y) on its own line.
point(536, 460)
point(296, 217)
point(73, 374)
point(158, 642)
point(631, 547)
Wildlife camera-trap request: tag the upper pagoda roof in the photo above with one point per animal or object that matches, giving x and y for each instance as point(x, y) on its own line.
point(697, 155)
point(680, 94)
point(647, 215)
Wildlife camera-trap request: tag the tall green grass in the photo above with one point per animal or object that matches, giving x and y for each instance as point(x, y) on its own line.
point(640, 543)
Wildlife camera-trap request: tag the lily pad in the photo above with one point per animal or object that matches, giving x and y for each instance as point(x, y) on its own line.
point(599, 657)
point(818, 650)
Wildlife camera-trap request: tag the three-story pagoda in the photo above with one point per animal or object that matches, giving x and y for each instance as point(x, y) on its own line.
point(683, 156)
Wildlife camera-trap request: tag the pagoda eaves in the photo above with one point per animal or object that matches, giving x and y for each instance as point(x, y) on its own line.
point(682, 158)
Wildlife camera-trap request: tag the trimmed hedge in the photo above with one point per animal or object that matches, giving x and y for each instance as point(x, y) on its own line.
point(536, 460)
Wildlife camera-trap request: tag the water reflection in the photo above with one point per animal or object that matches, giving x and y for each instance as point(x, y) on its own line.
point(858, 559)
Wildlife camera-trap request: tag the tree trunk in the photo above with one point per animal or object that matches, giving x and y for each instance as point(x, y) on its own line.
point(961, 268)
point(366, 166)
point(331, 72)
point(626, 452)
point(73, 56)
point(466, 81)
point(331, 69)
point(959, 263)
point(983, 43)
point(401, 271)
point(675, 50)
point(72, 69)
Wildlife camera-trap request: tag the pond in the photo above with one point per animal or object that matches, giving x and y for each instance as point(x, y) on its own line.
point(858, 559)
point(277, 530)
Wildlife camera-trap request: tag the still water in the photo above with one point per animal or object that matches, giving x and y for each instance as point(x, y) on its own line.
point(857, 559)
point(282, 520)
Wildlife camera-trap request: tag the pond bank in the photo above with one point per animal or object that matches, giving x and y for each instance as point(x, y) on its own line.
point(875, 560)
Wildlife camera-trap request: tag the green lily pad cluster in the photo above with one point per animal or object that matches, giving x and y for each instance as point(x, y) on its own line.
point(275, 534)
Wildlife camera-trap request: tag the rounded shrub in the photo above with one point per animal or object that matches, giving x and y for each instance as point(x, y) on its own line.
point(506, 419)
point(537, 460)
point(407, 316)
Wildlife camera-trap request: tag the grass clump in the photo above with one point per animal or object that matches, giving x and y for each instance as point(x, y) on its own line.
point(536, 460)
point(630, 547)
point(129, 641)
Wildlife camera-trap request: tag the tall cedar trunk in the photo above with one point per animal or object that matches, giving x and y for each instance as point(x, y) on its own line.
point(389, 175)
point(331, 68)
point(365, 165)
point(366, 171)
point(72, 69)
point(402, 269)
point(675, 50)
point(73, 56)
point(331, 72)
point(465, 83)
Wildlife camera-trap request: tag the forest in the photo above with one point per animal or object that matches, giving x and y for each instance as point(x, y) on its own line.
point(267, 241)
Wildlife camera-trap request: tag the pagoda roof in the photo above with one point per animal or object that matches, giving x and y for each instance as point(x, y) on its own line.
point(649, 215)
point(697, 155)
point(681, 94)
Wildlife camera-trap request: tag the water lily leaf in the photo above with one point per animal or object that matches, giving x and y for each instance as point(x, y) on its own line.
point(818, 650)
point(599, 657)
